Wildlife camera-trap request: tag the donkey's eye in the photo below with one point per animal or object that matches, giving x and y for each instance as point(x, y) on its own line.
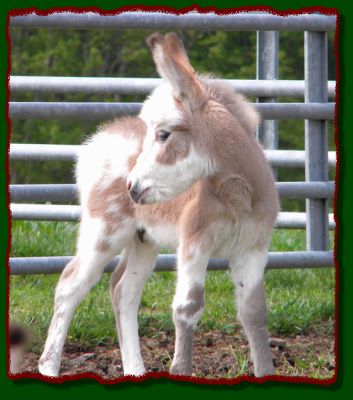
point(162, 135)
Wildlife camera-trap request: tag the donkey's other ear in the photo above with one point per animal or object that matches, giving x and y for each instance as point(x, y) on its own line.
point(173, 64)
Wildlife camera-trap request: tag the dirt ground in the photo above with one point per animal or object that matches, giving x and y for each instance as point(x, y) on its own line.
point(216, 355)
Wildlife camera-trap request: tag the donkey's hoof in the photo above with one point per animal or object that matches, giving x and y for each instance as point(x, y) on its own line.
point(270, 370)
point(48, 369)
point(177, 369)
point(134, 371)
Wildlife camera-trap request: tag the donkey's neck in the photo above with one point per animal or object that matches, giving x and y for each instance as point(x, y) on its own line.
point(242, 178)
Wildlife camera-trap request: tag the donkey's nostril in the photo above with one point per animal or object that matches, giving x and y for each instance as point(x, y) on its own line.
point(128, 184)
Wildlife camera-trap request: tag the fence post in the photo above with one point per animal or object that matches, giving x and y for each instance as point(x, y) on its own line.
point(267, 68)
point(316, 146)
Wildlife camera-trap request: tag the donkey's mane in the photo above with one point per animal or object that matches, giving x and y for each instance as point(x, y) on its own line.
point(235, 103)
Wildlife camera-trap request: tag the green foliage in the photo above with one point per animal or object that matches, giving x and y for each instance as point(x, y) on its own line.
point(225, 55)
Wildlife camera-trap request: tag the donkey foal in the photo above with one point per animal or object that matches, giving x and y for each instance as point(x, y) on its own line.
point(187, 174)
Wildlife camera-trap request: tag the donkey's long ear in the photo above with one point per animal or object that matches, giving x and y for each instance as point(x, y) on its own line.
point(173, 65)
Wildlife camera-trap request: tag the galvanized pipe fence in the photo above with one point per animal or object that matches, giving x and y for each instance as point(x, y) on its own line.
point(99, 111)
point(167, 262)
point(316, 110)
point(267, 61)
point(68, 192)
point(62, 84)
point(242, 21)
point(62, 152)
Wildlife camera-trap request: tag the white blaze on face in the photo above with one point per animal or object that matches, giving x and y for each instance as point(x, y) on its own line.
point(163, 181)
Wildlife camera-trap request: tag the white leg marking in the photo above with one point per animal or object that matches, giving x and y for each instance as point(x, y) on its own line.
point(139, 259)
point(75, 282)
point(247, 273)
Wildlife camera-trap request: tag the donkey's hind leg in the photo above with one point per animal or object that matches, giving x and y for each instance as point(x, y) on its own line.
point(94, 251)
point(247, 273)
point(126, 287)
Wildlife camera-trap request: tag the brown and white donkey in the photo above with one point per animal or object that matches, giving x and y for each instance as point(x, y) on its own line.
point(187, 174)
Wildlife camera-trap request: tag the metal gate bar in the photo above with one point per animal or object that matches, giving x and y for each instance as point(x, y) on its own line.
point(60, 212)
point(60, 152)
point(316, 141)
point(195, 21)
point(267, 68)
point(68, 192)
point(167, 262)
point(143, 86)
point(100, 111)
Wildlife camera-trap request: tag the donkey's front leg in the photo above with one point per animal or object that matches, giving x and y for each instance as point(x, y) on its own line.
point(188, 305)
point(247, 274)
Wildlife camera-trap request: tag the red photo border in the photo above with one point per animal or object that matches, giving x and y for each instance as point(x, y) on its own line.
point(158, 375)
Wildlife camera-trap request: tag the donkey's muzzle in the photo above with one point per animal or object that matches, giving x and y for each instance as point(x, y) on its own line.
point(137, 193)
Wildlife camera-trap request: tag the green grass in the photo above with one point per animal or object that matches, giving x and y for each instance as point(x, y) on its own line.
point(299, 300)
point(37, 239)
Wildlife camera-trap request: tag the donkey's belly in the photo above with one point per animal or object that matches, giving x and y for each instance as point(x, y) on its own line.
point(234, 238)
point(163, 235)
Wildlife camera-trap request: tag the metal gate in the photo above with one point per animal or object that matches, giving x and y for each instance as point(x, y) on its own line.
point(316, 110)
